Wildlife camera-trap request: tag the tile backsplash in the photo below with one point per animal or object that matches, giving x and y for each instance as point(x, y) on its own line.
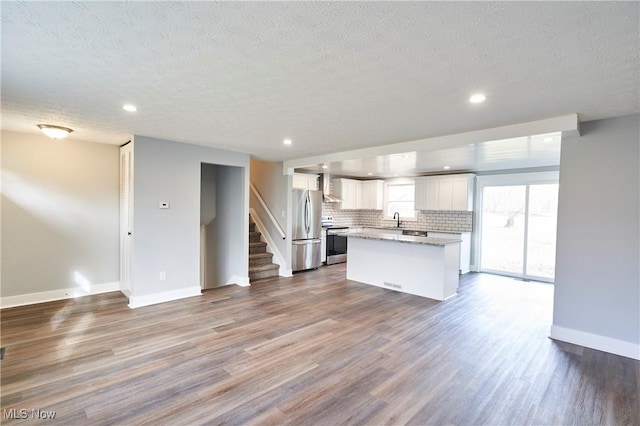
point(451, 221)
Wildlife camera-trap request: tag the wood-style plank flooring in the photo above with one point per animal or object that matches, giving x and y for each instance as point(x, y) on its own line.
point(315, 349)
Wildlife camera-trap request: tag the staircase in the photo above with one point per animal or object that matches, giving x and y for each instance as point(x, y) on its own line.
point(260, 262)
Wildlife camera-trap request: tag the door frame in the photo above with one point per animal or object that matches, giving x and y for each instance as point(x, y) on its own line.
point(511, 179)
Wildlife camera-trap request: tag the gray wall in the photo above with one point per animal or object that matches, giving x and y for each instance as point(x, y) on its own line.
point(597, 286)
point(268, 179)
point(169, 239)
point(230, 235)
point(60, 202)
point(207, 193)
point(207, 215)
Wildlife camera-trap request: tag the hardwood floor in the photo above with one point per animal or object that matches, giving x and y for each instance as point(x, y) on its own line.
point(314, 349)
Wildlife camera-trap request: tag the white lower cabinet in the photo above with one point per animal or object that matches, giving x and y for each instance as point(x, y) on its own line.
point(465, 247)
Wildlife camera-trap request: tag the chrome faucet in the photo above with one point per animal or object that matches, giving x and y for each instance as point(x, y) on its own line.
point(396, 215)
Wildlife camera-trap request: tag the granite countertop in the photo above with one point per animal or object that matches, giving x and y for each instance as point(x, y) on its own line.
point(395, 228)
point(431, 241)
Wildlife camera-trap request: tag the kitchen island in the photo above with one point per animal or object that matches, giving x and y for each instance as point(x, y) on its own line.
point(424, 266)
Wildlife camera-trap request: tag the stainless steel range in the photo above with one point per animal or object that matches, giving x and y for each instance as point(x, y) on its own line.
point(337, 244)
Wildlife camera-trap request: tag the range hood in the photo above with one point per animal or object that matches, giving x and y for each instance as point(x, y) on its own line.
point(326, 190)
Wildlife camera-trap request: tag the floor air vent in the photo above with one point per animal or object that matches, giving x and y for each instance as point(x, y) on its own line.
point(392, 285)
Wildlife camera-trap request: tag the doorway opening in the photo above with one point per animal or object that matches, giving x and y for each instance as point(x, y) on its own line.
point(517, 222)
point(223, 225)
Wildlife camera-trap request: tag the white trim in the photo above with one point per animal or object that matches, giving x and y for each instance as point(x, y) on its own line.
point(596, 341)
point(49, 296)
point(271, 246)
point(164, 296)
point(238, 280)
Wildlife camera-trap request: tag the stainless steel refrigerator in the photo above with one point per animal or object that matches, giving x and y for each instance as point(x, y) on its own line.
point(307, 211)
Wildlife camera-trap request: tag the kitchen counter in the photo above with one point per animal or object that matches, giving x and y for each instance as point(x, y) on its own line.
point(423, 266)
point(433, 241)
point(395, 228)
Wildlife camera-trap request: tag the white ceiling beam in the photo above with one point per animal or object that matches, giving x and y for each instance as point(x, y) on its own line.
point(567, 124)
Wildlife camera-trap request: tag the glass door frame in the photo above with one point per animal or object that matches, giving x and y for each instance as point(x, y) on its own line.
point(513, 179)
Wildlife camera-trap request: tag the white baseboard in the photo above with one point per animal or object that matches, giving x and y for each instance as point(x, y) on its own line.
point(165, 296)
point(49, 296)
point(271, 246)
point(284, 272)
point(241, 281)
point(596, 341)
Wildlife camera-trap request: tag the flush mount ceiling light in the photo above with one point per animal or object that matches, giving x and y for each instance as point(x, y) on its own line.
point(446, 167)
point(324, 166)
point(129, 108)
point(478, 98)
point(287, 142)
point(55, 132)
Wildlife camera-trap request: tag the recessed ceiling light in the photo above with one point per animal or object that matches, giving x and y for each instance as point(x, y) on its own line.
point(369, 174)
point(287, 142)
point(446, 167)
point(55, 132)
point(477, 98)
point(130, 108)
point(324, 166)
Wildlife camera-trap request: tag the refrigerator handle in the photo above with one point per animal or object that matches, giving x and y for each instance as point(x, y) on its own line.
point(306, 214)
point(309, 213)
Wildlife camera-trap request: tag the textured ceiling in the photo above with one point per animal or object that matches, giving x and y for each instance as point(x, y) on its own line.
point(331, 76)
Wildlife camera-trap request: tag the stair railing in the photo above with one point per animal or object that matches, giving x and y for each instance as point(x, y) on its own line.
point(266, 209)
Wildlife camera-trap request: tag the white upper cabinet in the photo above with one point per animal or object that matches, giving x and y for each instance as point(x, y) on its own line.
point(462, 194)
point(372, 195)
point(305, 181)
point(427, 193)
point(449, 193)
point(359, 195)
point(349, 191)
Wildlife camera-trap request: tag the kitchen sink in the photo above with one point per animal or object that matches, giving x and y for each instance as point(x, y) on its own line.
point(414, 233)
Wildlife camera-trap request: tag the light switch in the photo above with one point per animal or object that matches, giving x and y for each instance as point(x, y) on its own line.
point(163, 205)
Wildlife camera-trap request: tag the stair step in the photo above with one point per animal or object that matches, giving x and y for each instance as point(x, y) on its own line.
point(252, 227)
point(263, 271)
point(254, 237)
point(260, 259)
point(258, 247)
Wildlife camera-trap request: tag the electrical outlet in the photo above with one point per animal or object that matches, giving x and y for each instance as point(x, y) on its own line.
point(163, 276)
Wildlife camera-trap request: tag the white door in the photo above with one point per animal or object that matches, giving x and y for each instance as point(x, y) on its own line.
point(126, 215)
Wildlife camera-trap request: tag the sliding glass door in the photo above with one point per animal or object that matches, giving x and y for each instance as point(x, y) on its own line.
point(518, 225)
